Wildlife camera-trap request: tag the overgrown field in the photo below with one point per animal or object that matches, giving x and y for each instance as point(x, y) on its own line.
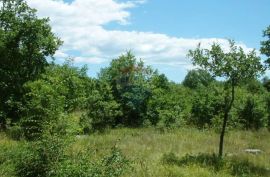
point(152, 152)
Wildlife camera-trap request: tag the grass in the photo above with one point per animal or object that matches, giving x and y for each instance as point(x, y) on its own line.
point(192, 151)
point(146, 147)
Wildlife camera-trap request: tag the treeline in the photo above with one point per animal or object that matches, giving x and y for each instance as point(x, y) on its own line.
point(126, 93)
point(129, 94)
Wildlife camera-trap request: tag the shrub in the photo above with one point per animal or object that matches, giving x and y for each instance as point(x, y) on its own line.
point(39, 159)
point(15, 132)
point(44, 105)
point(253, 113)
point(102, 110)
point(113, 165)
point(207, 104)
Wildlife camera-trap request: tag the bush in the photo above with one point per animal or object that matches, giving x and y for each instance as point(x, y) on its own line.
point(39, 159)
point(15, 132)
point(168, 108)
point(207, 105)
point(253, 113)
point(44, 105)
point(170, 118)
point(113, 165)
point(102, 110)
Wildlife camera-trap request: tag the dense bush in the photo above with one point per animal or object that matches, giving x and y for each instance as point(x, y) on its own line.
point(102, 109)
point(58, 91)
point(253, 113)
point(41, 157)
point(169, 107)
point(45, 104)
point(207, 106)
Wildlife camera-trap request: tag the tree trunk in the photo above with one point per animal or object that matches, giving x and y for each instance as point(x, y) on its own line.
point(225, 118)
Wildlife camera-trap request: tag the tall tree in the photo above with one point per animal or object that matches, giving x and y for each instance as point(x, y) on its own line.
point(25, 43)
point(129, 81)
point(234, 66)
point(265, 45)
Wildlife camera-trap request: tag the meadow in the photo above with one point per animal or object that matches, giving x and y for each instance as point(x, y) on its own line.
point(172, 153)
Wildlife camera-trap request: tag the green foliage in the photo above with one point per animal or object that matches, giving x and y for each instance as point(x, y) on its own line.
point(266, 83)
point(197, 78)
point(207, 106)
point(40, 158)
point(267, 99)
point(45, 104)
point(102, 109)
point(234, 66)
point(265, 45)
point(15, 132)
point(254, 86)
point(129, 82)
point(112, 165)
point(74, 80)
point(59, 90)
point(252, 113)
point(168, 108)
point(25, 43)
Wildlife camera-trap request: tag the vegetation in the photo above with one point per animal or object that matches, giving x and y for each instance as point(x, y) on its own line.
point(131, 120)
point(234, 66)
point(147, 150)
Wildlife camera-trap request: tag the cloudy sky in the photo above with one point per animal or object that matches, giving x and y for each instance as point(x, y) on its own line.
point(160, 32)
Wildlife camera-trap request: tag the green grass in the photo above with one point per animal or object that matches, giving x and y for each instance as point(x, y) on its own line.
point(145, 148)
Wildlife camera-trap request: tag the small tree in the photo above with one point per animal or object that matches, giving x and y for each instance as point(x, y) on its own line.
point(234, 66)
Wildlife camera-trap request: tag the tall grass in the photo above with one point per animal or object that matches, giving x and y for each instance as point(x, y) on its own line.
point(145, 148)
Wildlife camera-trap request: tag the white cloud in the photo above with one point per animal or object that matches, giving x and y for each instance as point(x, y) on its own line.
point(80, 24)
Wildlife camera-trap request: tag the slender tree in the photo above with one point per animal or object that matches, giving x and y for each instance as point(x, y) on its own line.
point(234, 66)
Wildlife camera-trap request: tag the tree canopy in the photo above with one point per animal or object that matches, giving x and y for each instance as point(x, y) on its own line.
point(26, 42)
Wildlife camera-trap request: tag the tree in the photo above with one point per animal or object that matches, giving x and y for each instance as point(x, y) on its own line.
point(234, 66)
point(102, 109)
point(128, 79)
point(25, 43)
point(266, 83)
point(265, 45)
point(60, 89)
point(197, 78)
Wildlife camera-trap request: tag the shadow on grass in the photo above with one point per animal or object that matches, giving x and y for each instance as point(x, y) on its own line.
point(237, 167)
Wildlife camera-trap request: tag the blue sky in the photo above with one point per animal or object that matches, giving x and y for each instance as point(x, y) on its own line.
point(242, 20)
point(158, 31)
